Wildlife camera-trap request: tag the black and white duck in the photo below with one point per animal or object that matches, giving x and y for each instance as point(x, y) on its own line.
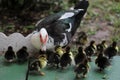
point(59, 28)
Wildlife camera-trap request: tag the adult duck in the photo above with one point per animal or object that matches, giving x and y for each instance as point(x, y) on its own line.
point(59, 28)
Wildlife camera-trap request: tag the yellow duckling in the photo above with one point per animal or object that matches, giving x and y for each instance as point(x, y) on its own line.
point(35, 65)
point(43, 61)
point(59, 50)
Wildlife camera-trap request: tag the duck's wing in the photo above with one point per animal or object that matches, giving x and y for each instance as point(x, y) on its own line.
point(50, 20)
point(59, 26)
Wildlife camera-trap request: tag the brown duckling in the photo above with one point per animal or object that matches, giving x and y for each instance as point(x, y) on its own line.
point(54, 58)
point(112, 50)
point(66, 58)
point(91, 49)
point(80, 56)
point(102, 61)
point(82, 69)
point(82, 38)
point(101, 46)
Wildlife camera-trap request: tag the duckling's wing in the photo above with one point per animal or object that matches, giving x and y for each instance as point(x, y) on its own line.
point(105, 61)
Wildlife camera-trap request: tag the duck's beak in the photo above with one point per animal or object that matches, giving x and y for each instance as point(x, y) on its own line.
point(43, 38)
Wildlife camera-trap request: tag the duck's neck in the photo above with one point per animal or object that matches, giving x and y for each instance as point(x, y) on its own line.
point(80, 5)
point(77, 22)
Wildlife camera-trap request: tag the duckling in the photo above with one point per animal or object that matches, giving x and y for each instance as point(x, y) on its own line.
point(59, 50)
point(49, 54)
point(91, 49)
point(43, 61)
point(80, 56)
point(22, 54)
point(112, 50)
point(66, 58)
point(54, 60)
point(83, 38)
point(104, 44)
point(55, 57)
point(10, 54)
point(101, 46)
point(101, 61)
point(82, 69)
point(36, 64)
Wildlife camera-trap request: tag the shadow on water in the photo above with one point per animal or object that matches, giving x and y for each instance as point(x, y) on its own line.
point(51, 68)
point(5, 63)
point(34, 74)
point(97, 70)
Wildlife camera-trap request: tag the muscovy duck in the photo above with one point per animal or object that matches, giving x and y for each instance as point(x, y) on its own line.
point(59, 28)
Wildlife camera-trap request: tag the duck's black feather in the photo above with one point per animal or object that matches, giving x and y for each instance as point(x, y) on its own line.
point(58, 28)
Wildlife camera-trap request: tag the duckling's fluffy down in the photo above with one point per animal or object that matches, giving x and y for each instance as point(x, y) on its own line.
point(43, 62)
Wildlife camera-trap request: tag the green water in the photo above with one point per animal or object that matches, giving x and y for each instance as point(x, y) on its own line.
point(16, 71)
